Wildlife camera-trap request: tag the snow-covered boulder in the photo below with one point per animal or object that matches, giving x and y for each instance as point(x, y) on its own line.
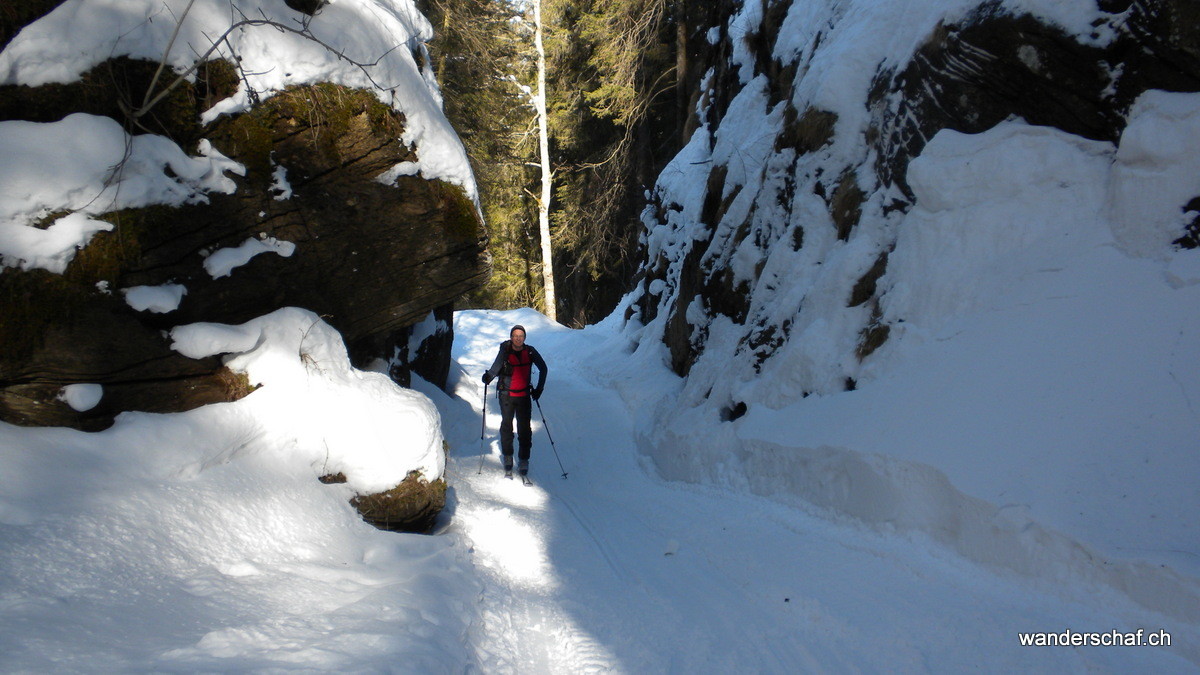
point(265, 178)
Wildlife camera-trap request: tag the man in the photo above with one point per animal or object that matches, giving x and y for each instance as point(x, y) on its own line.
point(514, 365)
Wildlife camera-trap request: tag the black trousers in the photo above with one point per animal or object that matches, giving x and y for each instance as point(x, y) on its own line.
point(518, 409)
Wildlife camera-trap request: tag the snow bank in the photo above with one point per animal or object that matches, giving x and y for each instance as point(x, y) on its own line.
point(189, 542)
point(1156, 172)
point(1033, 404)
point(203, 541)
point(336, 418)
point(366, 44)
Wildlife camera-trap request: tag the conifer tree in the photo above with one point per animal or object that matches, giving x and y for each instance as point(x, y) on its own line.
point(615, 114)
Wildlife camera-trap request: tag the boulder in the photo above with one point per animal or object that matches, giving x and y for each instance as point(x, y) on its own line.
point(373, 259)
point(411, 506)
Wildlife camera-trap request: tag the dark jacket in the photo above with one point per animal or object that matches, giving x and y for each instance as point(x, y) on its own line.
point(498, 368)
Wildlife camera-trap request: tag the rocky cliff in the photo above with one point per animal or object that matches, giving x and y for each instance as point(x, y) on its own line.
point(931, 266)
point(329, 204)
point(843, 104)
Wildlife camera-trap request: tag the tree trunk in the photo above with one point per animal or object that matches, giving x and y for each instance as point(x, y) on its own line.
point(682, 99)
point(547, 178)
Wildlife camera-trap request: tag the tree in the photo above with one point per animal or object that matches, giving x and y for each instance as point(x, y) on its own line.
point(596, 85)
point(612, 69)
point(543, 123)
point(481, 57)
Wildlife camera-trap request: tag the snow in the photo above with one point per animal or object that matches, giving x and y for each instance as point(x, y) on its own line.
point(50, 249)
point(1040, 372)
point(367, 44)
point(615, 568)
point(402, 169)
point(1046, 193)
point(222, 262)
point(280, 187)
point(70, 165)
point(350, 421)
point(1018, 456)
point(157, 299)
point(82, 397)
point(1037, 362)
point(79, 164)
point(1157, 172)
point(1032, 409)
point(206, 543)
point(203, 540)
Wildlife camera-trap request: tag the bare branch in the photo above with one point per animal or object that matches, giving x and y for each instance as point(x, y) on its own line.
point(304, 32)
point(162, 63)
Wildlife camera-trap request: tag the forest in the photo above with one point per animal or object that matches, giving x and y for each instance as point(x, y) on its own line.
point(621, 86)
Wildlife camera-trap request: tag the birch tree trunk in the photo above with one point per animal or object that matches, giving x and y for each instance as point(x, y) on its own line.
point(539, 102)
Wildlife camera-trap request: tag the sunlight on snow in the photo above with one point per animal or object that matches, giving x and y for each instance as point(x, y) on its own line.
point(508, 543)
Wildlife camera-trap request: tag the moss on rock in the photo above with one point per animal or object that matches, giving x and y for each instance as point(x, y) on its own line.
point(119, 85)
point(411, 506)
point(462, 219)
point(33, 301)
point(846, 205)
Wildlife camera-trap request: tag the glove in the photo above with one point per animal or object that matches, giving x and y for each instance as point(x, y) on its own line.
point(487, 378)
point(536, 394)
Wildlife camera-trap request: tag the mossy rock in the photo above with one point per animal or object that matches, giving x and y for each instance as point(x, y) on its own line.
point(411, 506)
point(117, 86)
point(32, 300)
point(331, 119)
point(873, 335)
point(805, 133)
point(462, 219)
point(371, 258)
point(109, 255)
point(846, 205)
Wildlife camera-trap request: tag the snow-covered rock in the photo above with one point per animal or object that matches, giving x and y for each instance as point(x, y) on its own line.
point(272, 141)
point(916, 266)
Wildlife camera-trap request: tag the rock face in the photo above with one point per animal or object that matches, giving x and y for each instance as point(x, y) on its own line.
point(967, 74)
point(373, 259)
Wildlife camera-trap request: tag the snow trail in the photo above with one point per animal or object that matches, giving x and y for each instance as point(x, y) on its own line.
point(615, 570)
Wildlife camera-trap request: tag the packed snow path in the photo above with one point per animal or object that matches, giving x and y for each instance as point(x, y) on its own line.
point(612, 569)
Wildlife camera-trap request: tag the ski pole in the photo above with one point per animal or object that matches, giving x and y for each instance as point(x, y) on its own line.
point(551, 437)
point(482, 430)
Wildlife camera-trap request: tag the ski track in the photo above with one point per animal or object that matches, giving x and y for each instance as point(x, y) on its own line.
point(615, 570)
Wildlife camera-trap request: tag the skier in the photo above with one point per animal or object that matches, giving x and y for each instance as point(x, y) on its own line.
point(514, 365)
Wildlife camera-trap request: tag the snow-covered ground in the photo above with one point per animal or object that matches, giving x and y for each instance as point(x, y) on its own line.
point(126, 551)
point(615, 568)
point(1033, 406)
